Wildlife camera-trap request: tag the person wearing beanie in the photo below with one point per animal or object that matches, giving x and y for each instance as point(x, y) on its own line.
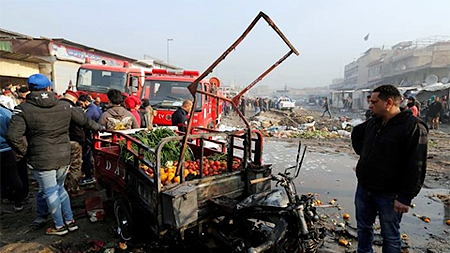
point(45, 120)
point(133, 103)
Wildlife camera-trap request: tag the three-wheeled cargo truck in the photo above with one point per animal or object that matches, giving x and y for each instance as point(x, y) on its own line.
point(139, 179)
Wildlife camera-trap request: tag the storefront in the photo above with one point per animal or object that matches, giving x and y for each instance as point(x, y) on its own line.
point(16, 71)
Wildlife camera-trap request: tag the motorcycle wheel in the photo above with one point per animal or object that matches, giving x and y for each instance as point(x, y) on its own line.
point(123, 219)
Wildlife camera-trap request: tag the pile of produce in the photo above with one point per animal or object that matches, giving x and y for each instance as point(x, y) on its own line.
point(212, 165)
point(170, 152)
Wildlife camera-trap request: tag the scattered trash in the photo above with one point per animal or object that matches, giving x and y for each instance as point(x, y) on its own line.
point(404, 237)
point(123, 245)
point(423, 217)
point(94, 208)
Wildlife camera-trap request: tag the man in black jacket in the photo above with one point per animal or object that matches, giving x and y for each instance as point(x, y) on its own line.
point(78, 141)
point(44, 121)
point(392, 146)
point(180, 116)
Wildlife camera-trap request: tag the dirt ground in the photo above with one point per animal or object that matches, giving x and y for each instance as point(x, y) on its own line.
point(18, 236)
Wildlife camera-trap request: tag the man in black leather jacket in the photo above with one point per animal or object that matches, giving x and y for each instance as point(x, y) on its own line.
point(180, 117)
point(392, 146)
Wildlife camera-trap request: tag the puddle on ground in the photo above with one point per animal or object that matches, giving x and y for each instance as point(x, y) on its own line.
point(331, 176)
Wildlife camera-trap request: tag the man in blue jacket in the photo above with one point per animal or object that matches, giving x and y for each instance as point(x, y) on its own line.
point(11, 184)
point(392, 146)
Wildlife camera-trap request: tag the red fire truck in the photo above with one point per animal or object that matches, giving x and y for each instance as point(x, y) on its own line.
point(165, 89)
point(98, 79)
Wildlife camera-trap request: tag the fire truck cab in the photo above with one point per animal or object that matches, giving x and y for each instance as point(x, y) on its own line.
point(98, 79)
point(167, 89)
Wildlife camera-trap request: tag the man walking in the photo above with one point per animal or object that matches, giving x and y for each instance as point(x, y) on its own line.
point(326, 105)
point(44, 121)
point(392, 146)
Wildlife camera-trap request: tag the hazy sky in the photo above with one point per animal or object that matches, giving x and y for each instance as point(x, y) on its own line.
point(328, 34)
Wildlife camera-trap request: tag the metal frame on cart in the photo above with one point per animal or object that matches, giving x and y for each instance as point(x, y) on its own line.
point(234, 101)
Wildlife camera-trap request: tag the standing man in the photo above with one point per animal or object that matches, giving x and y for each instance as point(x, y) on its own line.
point(78, 141)
point(180, 117)
point(326, 105)
point(45, 121)
point(117, 117)
point(434, 112)
point(94, 113)
point(392, 146)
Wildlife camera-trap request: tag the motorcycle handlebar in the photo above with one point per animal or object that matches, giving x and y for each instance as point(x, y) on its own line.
point(271, 177)
point(259, 180)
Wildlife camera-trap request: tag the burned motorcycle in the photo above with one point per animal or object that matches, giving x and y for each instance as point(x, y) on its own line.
point(268, 221)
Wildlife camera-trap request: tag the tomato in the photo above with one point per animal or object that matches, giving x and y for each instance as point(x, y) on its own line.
point(215, 168)
point(211, 163)
point(217, 163)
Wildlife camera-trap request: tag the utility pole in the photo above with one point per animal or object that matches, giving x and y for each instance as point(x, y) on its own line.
point(168, 40)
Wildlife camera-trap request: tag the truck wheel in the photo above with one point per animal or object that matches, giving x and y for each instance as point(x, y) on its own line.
point(123, 219)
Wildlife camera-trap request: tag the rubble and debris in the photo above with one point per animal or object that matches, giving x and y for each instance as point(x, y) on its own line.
point(296, 124)
point(422, 217)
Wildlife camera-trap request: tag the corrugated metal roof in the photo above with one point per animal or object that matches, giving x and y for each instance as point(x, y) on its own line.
point(22, 57)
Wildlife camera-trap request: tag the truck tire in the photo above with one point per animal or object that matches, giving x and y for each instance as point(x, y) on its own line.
point(124, 220)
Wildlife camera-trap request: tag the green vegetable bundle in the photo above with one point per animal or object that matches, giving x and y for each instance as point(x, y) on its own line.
point(170, 152)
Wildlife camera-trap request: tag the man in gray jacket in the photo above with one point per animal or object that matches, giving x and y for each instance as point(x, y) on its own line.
point(44, 121)
point(117, 117)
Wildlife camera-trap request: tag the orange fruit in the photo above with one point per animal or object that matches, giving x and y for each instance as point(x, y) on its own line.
point(163, 177)
point(170, 176)
point(427, 220)
point(346, 216)
point(176, 179)
point(343, 242)
point(447, 222)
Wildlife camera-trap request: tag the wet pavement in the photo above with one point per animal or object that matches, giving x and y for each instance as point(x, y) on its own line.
point(330, 174)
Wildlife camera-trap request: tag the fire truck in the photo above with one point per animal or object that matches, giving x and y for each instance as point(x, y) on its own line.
point(98, 79)
point(165, 89)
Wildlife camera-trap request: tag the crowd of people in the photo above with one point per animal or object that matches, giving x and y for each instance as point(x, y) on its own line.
point(257, 104)
point(51, 136)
